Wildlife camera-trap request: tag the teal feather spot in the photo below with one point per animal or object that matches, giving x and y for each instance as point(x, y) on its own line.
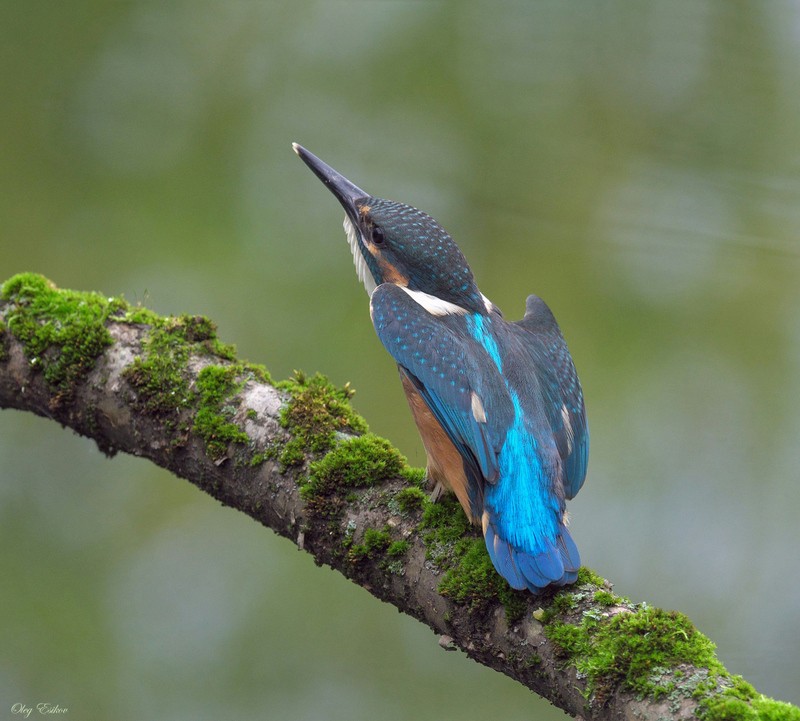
point(480, 329)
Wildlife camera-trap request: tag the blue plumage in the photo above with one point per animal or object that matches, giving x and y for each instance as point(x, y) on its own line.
point(498, 404)
point(515, 453)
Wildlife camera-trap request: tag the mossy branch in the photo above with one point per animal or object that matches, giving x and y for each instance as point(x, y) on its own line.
point(295, 457)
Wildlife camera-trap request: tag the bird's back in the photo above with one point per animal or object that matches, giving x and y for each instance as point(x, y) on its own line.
point(523, 509)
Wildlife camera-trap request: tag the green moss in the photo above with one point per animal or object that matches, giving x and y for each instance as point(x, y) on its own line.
point(627, 648)
point(352, 463)
point(137, 315)
point(416, 476)
point(564, 601)
point(267, 455)
point(473, 578)
point(741, 702)
point(604, 598)
point(588, 576)
point(322, 421)
point(636, 643)
point(770, 710)
point(729, 708)
point(195, 330)
point(398, 548)
point(62, 332)
point(216, 386)
point(316, 412)
point(572, 641)
point(360, 461)
point(410, 499)
point(469, 577)
point(376, 544)
point(445, 522)
point(160, 376)
point(373, 544)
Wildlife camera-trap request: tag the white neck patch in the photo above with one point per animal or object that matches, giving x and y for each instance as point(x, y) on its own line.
point(435, 306)
point(490, 307)
point(364, 274)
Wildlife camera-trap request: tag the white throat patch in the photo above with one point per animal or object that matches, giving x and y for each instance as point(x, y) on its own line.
point(364, 274)
point(435, 306)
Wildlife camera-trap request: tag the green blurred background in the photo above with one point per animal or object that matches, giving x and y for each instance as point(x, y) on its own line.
point(635, 164)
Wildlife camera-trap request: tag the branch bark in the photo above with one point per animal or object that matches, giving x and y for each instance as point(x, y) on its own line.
point(291, 457)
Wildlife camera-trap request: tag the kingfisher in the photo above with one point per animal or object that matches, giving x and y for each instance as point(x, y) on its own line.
point(498, 404)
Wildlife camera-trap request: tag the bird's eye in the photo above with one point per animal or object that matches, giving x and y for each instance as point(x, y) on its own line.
point(377, 235)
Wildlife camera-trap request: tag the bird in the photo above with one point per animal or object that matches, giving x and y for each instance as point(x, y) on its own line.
point(498, 404)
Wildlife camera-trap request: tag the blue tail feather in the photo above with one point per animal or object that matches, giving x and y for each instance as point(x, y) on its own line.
point(557, 565)
point(569, 552)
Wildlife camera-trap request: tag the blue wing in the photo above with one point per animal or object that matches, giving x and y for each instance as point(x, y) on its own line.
point(448, 369)
point(565, 410)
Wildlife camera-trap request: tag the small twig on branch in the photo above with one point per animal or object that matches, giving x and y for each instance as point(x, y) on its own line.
point(296, 458)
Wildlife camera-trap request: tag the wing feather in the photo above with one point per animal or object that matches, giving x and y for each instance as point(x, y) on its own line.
point(450, 373)
point(565, 409)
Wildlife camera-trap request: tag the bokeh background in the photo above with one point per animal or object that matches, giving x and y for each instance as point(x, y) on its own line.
point(635, 164)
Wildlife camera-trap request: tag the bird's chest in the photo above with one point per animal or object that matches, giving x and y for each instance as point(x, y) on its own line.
point(445, 464)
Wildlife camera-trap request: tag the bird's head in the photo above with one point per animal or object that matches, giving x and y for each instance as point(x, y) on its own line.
point(395, 243)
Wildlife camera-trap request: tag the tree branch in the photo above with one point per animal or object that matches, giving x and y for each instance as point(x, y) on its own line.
point(297, 459)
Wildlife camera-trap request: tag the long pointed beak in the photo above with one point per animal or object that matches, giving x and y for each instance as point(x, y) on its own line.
point(347, 193)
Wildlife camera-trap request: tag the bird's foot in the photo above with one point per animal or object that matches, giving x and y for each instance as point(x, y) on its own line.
point(437, 492)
